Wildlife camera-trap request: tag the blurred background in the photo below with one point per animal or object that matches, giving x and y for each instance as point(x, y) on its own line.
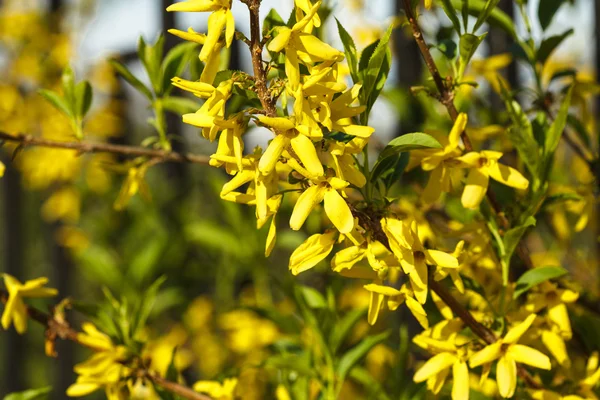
point(221, 295)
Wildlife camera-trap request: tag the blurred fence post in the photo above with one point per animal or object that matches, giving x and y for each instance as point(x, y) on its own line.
point(410, 71)
point(499, 42)
point(14, 250)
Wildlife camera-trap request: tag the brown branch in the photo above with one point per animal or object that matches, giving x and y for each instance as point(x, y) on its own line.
point(256, 50)
point(447, 99)
point(57, 327)
point(87, 147)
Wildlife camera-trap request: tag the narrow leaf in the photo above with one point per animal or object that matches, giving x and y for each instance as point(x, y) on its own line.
point(83, 98)
point(547, 10)
point(487, 10)
point(131, 79)
point(513, 236)
point(550, 44)
point(355, 354)
point(57, 101)
point(536, 276)
point(350, 51)
point(557, 127)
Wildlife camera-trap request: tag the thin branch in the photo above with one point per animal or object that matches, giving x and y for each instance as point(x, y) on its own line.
point(56, 327)
point(256, 50)
point(87, 147)
point(447, 99)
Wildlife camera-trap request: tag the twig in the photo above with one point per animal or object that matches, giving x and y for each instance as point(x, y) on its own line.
point(447, 99)
point(256, 49)
point(87, 147)
point(58, 328)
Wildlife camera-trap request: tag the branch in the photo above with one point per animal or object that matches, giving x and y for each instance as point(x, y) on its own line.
point(447, 99)
point(256, 48)
point(87, 147)
point(56, 327)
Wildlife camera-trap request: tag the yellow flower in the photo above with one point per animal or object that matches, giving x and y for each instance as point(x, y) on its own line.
point(213, 60)
point(482, 165)
point(15, 310)
point(217, 390)
point(64, 205)
point(413, 256)
point(300, 45)
point(440, 162)
point(221, 18)
point(395, 299)
point(104, 369)
point(312, 251)
point(489, 68)
point(336, 208)
point(509, 353)
point(554, 300)
point(436, 369)
point(133, 184)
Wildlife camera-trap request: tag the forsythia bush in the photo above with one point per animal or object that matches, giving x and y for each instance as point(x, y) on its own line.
point(457, 223)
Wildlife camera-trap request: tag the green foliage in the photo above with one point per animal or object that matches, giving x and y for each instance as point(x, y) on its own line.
point(536, 276)
point(31, 394)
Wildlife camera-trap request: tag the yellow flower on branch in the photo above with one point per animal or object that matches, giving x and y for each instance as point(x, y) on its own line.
point(314, 250)
point(395, 299)
point(221, 18)
point(413, 256)
point(482, 165)
point(217, 390)
point(213, 60)
point(105, 369)
point(15, 310)
point(508, 353)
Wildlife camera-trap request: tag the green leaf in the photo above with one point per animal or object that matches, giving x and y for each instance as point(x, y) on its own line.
point(465, 13)
point(57, 101)
point(467, 46)
point(83, 98)
point(131, 79)
point(376, 72)
point(180, 105)
point(68, 84)
point(31, 394)
point(487, 10)
point(409, 141)
point(174, 64)
point(550, 44)
point(448, 47)
point(535, 276)
point(521, 134)
point(344, 326)
point(580, 129)
point(272, 20)
point(452, 14)
point(350, 51)
point(355, 354)
point(513, 236)
point(496, 17)
point(151, 57)
point(560, 198)
point(558, 126)
point(313, 298)
point(546, 11)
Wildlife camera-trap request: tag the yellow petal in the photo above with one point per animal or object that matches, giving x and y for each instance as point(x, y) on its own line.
point(508, 176)
point(318, 50)
point(460, 375)
point(382, 289)
point(281, 40)
point(216, 22)
point(305, 150)
point(306, 202)
point(229, 28)
point(374, 307)
point(417, 311)
point(459, 126)
point(346, 258)
point(560, 316)
point(433, 190)
point(269, 159)
point(82, 389)
point(271, 236)
point(514, 334)
point(486, 355)
point(311, 252)
point(338, 212)
point(278, 123)
point(527, 355)
point(440, 258)
point(190, 35)
point(475, 189)
point(506, 376)
point(433, 366)
point(9, 309)
point(292, 69)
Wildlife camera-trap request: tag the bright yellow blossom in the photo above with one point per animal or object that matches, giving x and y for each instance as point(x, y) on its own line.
point(482, 165)
point(217, 390)
point(508, 353)
point(221, 18)
point(312, 251)
point(395, 299)
point(15, 310)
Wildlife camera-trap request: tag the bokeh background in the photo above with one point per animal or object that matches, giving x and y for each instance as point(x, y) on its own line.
point(56, 210)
